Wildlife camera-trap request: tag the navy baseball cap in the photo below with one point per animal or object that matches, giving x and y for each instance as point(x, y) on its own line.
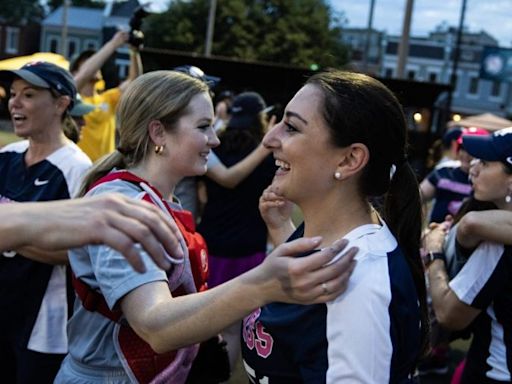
point(45, 75)
point(495, 147)
point(245, 109)
point(198, 73)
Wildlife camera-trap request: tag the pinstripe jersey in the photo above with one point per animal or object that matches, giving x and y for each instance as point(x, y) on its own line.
point(485, 283)
point(369, 334)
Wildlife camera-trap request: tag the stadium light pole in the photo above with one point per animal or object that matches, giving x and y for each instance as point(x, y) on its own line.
point(403, 48)
point(455, 62)
point(366, 52)
point(210, 28)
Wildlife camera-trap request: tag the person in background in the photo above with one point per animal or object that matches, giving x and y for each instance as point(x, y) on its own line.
point(230, 220)
point(146, 326)
point(332, 158)
point(77, 121)
point(46, 166)
point(480, 295)
point(188, 191)
point(223, 109)
point(98, 135)
point(449, 184)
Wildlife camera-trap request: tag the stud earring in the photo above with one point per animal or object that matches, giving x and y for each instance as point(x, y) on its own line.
point(508, 198)
point(159, 149)
point(337, 175)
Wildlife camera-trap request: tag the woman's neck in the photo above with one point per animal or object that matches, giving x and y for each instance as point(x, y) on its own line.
point(41, 147)
point(155, 176)
point(334, 218)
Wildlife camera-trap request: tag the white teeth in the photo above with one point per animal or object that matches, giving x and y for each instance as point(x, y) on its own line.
point(17, 116)
point(282, 164)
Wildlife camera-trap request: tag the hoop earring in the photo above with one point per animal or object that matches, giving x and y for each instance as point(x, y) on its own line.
point(337, 175)
point(159, 149)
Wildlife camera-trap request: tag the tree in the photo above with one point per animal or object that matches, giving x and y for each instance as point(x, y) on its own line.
point(21, 11)
point(296, 32)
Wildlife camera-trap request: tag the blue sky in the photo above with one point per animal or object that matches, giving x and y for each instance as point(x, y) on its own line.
point(493, 16)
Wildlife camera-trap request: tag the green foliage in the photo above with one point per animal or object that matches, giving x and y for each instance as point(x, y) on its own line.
point(296, 32)
point(21, 11)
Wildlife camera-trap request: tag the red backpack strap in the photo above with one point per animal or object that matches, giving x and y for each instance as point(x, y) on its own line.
point(93, 301)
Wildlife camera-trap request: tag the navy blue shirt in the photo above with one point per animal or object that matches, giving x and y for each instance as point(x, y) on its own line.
point(371, 333)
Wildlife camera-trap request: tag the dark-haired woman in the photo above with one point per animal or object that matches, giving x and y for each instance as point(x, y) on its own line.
point(342, 141)
point(480, 295)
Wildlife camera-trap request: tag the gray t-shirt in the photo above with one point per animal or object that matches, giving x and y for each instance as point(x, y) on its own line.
point(91, 343)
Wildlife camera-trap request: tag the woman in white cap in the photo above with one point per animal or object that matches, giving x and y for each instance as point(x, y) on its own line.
point(45, 166)
point(480, 295)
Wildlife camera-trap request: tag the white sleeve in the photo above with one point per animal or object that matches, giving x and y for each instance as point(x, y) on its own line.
point(358, 326)
point(213, 160)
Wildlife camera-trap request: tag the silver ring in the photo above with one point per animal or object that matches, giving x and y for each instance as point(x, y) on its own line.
point(324, 287)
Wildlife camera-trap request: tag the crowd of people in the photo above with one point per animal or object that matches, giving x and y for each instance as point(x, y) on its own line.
point(296, 243)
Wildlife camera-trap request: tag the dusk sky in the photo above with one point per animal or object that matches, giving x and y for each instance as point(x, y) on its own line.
point(493, 16)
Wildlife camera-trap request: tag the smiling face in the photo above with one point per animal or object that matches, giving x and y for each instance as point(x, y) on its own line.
point(490, 181)
point(303, 149)
point(33, 110)
point(191, 141)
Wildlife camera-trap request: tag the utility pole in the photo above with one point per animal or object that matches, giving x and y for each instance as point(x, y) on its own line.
point(455, 62)
point(403, 49)
point(210, 28)
point(366, 52)
point(64, 32)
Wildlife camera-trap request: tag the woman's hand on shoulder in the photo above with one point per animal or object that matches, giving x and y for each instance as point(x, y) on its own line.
point(316, 278)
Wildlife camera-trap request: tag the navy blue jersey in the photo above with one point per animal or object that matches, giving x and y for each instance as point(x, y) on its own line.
point(24, 283)
point(452, 186)
point(369, 334)
point(485, 283)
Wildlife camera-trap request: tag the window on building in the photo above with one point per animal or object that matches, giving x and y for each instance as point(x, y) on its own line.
point(72, 48)
point(432, 77)
point(53, 44)
point(411, 75)
point(473, 85)
point(12, 40)
point(496, 88)
point(91, 44)
point(389, 72)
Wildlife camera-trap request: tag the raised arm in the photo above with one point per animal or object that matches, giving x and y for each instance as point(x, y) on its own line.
point(89, 68)
point(230, 177)
point(168, 323)
point(135, 69)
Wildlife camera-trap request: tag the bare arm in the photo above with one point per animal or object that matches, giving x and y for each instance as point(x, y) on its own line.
point(43, 255)
point(451, 312)
point(89, 68)
point(427, 191)
point(135, 69)
point(114, 220)
point(232, 176)
point(168, 323)
point(492, 225)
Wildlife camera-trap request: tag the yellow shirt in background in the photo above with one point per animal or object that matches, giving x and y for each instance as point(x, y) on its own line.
point(99, 133)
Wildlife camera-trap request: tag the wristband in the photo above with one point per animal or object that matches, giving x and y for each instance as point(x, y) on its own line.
point(436, 256)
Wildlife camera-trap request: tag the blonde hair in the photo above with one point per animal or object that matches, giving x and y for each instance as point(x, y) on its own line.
point(158, 95)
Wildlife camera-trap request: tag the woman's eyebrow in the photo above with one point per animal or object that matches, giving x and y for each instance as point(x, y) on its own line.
point(294, 114)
